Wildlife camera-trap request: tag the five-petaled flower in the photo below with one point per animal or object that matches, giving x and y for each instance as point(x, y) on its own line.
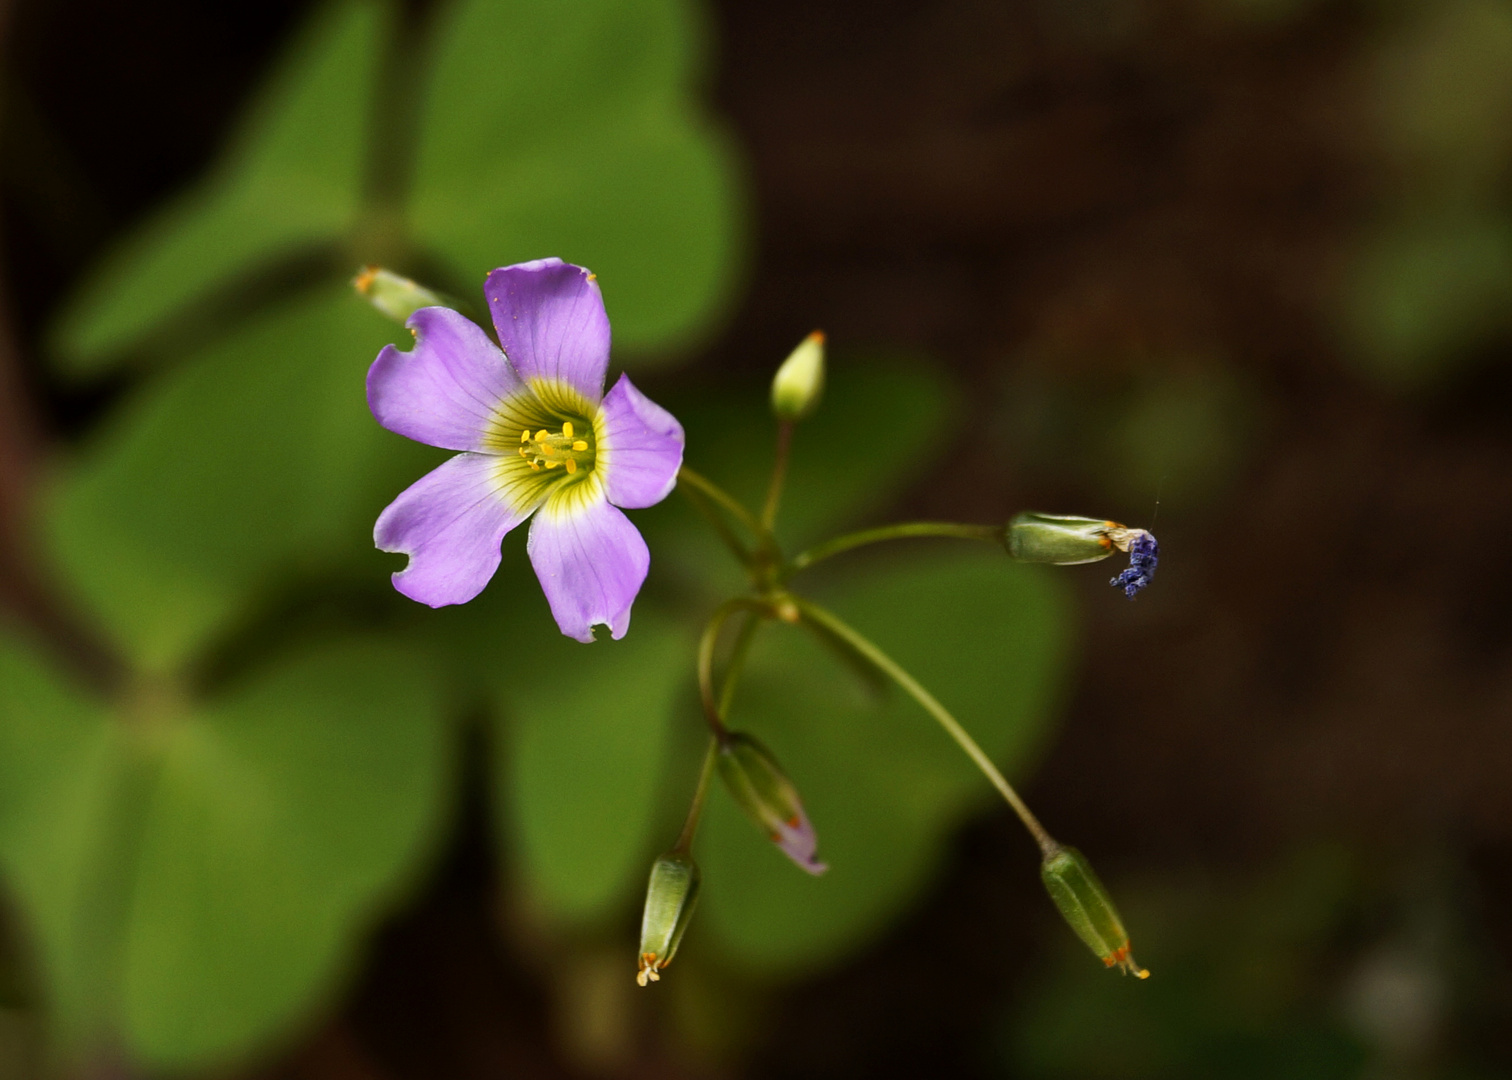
point(538, 435)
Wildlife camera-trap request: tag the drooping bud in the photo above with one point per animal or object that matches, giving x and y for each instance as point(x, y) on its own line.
point(670, 898)
point(1066, 540)
point(799, 382)
point(1085, 905)
point(395, 296)
point(768, 797)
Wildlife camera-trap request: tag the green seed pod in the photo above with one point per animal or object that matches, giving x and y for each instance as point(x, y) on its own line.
point(395, 296)
point(1085, 904)
point(670, 898)
point(1063, 540)
point(799, 382)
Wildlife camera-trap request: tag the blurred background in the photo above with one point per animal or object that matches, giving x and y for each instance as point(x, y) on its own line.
point(1236, 270)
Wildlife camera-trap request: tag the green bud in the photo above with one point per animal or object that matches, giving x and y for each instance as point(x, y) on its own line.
point(1085, 904)
point(1064, 540)
point(800, 380)
point(395, 296)
point(758, 784)
point(670, 898)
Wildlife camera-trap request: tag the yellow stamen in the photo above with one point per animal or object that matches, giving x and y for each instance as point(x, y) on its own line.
point(571, 465)
point(580, 445)
point(567, 429)
point(525, 435)
point(542, 435)
point(552, 464)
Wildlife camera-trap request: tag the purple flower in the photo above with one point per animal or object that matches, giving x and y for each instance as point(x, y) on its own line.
point(538, 435)
point(1144, 556)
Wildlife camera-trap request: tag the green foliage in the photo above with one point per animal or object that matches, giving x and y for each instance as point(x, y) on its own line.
point(564, 130)
point(882, 784)
point(196, 870)
point(197, 874)
point(580, 761)
point(291, 176)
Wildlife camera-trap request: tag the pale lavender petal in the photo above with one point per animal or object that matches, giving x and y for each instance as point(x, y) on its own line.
point(591, 562)
point(798, 841)
point(445, 390)
point(551, 322)
point(450, 523)
point(640, 447)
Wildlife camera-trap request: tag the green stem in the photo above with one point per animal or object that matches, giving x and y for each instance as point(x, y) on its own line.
point(713, 713)
point(885, 664)
point(731, 541)
point(733, 669)
point(779, 475)
point(907, 530)
point(718, 494)
point(690, 824)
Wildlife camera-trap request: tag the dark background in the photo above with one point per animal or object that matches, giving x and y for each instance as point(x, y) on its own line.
point(1065, 204)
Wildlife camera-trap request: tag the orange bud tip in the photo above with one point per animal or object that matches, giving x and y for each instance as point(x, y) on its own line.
point(364, 280)
point(1124, 960)
point(648, 969)
point(817, 337)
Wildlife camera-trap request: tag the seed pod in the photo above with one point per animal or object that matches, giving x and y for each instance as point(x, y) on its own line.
point(670, 898)
point(1085, 905)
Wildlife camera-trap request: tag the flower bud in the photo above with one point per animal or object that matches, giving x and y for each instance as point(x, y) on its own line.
point(1084, 903)
point(670, 898)
point(769, 798)
point(800, 380)
point(395, 296)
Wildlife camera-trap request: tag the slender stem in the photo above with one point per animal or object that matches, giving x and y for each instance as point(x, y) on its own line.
point(701, 504)
point(700, 793)
point(706, 644)
point(779, 475)
point(743, 639)
point(719, 495)
point(906, 530)
point(892, 670)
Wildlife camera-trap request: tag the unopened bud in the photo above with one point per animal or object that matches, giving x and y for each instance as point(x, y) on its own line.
point(1066, 540)
point(1085, 904)
point(769, 799)
point(799, 382)
point(395, 296)
point(670, 897)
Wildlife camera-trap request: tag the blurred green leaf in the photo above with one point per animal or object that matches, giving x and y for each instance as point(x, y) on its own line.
point(255, 455)
point(290, 177)
point(1424, 291)
point(579, 759)
point(883, 785)
point(62, 764)
point(566, 130)
point(197, 879)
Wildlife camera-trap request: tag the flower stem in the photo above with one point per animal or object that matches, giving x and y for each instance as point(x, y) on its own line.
point(907, 530)
point(719, 495)
point(779, 475)
point(713, 709)
point(700, 503)
point(885, 664)
point(684, 843)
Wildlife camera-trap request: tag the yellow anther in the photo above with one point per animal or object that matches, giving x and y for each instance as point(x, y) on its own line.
point(535, 466)
point(552, 464)
point(580, 445)
point(541, 435)
point(567, 429)
point(571, 466)
point(525, 435)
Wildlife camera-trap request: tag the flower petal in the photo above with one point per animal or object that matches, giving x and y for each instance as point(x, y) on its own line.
point(446, 389)
point(551, 322)
point(450, 523)
point(640, 447)
point(591, 562)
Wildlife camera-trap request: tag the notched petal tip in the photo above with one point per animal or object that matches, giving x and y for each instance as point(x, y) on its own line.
point(551, 322)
